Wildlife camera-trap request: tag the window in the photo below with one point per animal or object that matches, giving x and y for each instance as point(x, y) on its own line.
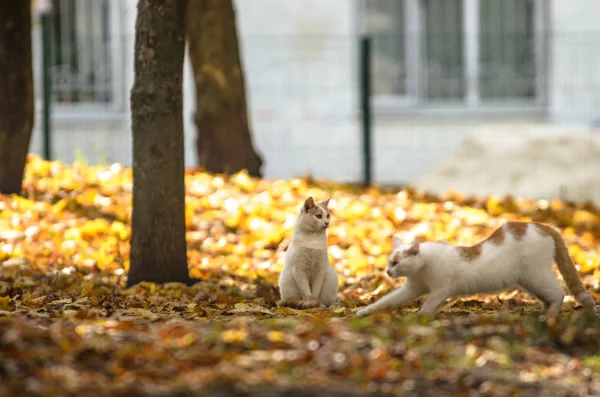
point(444, 49)
point(506, 49)
point(86, 55)
point(384, 22)
point(457, 52)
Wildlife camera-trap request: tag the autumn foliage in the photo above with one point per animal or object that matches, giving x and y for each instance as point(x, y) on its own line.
point(68, 324)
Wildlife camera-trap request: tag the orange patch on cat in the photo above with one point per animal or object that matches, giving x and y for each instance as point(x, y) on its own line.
point(517, 229)
point(473, 252)
point(497, 238)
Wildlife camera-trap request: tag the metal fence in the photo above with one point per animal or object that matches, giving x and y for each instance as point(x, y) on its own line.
point(86, 52)
point(384, 107)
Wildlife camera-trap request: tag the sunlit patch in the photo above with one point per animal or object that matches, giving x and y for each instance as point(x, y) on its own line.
point(65, 251)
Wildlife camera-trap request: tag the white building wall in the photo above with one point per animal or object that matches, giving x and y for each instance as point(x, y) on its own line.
point(407, 147)
point(301, 87)
point(105, 136)
point(575, 62)
point(300, 60)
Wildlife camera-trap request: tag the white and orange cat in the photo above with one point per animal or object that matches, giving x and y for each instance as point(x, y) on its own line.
point(517, 253)
point(307, 278)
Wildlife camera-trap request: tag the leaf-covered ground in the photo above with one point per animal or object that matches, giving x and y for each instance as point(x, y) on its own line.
point(69, 327)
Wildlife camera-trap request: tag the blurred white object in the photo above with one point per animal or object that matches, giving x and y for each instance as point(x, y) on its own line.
point(41, 6)
point(538, 162)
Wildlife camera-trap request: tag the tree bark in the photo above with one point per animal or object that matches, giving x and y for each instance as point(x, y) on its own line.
point(224, 143)
point(158, 246)
point(16, 92)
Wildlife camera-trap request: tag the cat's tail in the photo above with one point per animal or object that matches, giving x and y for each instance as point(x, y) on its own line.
point(569, 272)
point(298, 304)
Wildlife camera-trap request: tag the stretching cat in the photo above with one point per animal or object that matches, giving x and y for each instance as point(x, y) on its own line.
point(517, 253)
point(307, 278)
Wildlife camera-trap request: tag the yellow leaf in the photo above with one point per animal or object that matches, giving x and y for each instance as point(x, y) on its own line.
point(87, 288)
point(73, 234)
point(358, 210)
point(591, 263)
point(146, 314)
point(243, 181)
point(188, 218)
point(234, 220)
point(493, 205)
point(234, 336)
point(276, 336)
point(357, 262)
point(241, 307)
point(584, 218)
point(151, 287)
point(4, 303)
point(120, 230)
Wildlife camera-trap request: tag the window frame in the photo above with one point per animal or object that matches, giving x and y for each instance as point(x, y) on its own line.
point(89, 111)
point(415, 102)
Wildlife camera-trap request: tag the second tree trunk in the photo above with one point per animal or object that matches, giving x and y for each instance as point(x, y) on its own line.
point(224, 140)
point(16, 92)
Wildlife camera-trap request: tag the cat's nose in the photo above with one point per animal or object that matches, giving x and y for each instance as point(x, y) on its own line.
point(389, 272)
point(326, 224)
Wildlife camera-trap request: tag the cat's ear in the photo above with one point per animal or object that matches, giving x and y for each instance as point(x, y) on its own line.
point(325, 203)
point(309, 203)
point(396, 242)
point(414, 248)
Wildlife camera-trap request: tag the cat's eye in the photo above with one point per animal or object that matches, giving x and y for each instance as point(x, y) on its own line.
point(327, 216)
point(319, 216)
point(394, 263)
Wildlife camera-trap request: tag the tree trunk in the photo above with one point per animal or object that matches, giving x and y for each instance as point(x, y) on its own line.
point(16, 92)
point(158, 246)
point(224, 142)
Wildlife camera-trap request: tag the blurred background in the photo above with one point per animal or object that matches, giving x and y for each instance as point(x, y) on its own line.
point(478, 96)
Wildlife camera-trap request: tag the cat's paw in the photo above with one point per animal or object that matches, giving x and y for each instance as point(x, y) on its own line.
point(365, 311)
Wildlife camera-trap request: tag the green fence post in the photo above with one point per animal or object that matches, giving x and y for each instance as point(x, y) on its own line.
point(46, 25)
point(365, 106)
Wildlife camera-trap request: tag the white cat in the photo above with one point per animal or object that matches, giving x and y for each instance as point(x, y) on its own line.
point(517, 253)
point(307, 278)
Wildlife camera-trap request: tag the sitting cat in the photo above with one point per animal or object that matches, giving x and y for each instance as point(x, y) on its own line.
point(517, 253)
point(307, 278)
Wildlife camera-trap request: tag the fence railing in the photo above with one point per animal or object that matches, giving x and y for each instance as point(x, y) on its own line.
point(310, 94)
